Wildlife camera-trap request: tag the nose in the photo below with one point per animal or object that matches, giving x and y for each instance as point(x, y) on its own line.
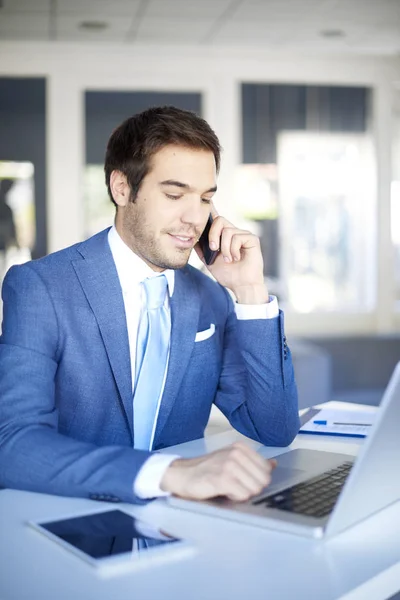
point(195, 213)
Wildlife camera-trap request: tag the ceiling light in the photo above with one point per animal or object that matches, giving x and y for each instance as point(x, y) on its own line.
point(93, 25)
point(332, 33)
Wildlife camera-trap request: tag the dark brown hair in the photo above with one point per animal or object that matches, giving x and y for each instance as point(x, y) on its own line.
point(132, 145)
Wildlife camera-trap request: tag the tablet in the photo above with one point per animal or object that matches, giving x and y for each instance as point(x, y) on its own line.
point(113, 540)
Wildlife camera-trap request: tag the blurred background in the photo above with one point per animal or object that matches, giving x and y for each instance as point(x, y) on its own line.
point(305, 97)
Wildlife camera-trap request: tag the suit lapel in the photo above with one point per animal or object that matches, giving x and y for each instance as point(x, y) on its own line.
point(185, 310)
point(98, 277)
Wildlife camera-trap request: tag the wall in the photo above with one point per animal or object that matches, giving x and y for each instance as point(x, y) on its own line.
point(71, 69)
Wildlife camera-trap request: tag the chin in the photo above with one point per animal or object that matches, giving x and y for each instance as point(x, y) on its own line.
point(177, 261)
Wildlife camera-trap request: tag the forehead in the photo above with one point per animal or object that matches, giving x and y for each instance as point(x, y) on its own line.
point(189, 165)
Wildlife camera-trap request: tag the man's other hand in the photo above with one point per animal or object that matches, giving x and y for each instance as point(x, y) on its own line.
point(236, 471)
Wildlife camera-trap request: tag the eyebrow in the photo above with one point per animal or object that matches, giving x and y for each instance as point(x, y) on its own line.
point(184, 186)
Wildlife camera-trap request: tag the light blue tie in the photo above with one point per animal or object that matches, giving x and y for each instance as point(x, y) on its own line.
point(151, 360)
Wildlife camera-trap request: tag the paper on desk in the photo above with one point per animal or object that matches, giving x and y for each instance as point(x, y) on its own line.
point(345, 423)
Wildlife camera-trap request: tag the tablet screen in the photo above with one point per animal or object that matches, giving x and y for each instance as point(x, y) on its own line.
point(109, 533)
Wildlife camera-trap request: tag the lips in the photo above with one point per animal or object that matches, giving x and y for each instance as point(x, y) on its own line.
point(183, 241)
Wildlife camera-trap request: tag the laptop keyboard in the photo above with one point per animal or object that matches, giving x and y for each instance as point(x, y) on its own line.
point(315, 497)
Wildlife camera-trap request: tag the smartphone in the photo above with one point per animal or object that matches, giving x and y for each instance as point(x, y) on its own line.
point(209, 255)
point(112, 539)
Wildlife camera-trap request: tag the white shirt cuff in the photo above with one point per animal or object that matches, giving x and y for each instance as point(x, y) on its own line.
point(258, 311)
point(147, 482)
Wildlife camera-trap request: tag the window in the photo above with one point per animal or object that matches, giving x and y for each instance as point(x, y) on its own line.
point(395, 198)
point(23, 157)
point(308, 160)
point(17, 214)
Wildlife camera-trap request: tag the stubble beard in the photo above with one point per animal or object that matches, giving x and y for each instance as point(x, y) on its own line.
point(146, 246)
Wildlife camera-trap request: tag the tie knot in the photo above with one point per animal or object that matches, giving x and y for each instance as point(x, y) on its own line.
point(155, 288)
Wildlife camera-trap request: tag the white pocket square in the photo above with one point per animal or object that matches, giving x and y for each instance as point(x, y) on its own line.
point(204, 335)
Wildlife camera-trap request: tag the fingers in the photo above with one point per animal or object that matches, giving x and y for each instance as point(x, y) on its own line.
point(260, 465)
point(232, 241)
point(242, 483)
point(244, 473)
point(214, 237)
point(229, 239)
point(240, 490)
point(213, 210)
point(237, 472)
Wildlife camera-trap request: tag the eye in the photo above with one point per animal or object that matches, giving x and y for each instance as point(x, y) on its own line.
point(172, 197)
point(206, 200)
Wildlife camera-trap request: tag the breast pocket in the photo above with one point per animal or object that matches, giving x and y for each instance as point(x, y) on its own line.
point(208, 344)
point(202, 336)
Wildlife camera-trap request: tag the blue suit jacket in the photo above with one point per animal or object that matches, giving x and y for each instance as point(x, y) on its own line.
point(66, 415)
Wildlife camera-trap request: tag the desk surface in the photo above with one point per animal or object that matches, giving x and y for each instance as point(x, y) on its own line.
point(231, 561)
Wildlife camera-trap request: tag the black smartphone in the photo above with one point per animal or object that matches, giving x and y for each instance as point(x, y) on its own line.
point(209, 255)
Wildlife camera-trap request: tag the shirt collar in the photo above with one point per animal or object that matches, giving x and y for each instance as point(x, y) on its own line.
point(131, 269)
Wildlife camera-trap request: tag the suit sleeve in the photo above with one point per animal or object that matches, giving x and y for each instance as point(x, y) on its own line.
point(257, 390)
point(34, 456)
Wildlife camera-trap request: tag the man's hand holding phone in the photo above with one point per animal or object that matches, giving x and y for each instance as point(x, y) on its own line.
point(234, 258)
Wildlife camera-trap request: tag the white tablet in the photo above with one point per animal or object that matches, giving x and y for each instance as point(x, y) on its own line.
point(113, 540)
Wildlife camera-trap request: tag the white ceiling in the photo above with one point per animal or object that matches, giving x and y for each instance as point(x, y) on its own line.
point(369, 26)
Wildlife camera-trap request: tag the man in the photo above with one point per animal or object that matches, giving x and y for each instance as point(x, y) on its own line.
point(76, 414)
point(8, 235)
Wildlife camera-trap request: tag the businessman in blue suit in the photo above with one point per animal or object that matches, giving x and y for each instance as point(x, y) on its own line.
point(72, 421)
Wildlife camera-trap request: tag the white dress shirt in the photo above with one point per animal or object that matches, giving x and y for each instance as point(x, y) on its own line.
point(132, 270)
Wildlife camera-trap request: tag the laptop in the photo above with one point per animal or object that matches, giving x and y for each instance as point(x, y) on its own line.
point(319, 494)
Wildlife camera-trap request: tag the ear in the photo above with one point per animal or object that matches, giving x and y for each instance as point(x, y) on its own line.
point(119, 188)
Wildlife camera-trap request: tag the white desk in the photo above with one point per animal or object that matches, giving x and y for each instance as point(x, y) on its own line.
point(232, 561)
